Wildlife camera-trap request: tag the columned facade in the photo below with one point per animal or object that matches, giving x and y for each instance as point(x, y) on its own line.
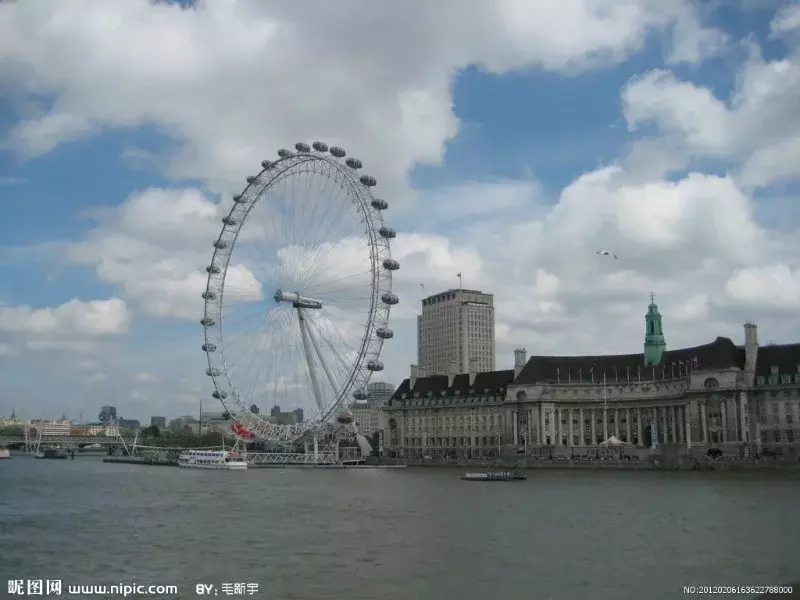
point(741, 400)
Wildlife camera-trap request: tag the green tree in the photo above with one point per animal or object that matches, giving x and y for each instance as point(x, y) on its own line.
point(12, 431)
point(151, 432)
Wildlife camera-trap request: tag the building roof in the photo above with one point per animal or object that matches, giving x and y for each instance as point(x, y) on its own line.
point(784, 356)
point(493, 381)
point(719, 354)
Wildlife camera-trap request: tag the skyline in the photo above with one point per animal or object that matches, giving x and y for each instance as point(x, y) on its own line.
point(511, 149)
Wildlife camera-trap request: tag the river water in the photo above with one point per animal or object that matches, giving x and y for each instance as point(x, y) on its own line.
point(400, 534)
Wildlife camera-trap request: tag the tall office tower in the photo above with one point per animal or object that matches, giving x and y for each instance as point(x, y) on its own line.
point(456, 331)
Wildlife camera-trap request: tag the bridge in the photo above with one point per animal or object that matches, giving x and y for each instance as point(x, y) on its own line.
point(128, 446)
point(66, 440)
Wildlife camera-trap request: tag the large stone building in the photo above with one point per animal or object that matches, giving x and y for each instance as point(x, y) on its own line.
point(456, 327)
point(736, 398)
point(369, 415)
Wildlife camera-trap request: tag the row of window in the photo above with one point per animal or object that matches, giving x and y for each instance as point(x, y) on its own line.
point(773, 379)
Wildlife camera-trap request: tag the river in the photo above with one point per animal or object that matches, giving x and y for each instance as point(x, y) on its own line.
point(405, 534)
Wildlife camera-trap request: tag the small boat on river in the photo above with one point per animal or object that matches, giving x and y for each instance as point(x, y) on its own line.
point(56, 453)
point(4, 453)
point(495, 476)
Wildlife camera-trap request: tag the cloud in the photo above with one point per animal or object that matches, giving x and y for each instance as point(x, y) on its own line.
point(293, 74)
point(155, 247)
point(146, 377)
point(12, 181)
point(756, 129)
point(201, 59)
point(76, 325)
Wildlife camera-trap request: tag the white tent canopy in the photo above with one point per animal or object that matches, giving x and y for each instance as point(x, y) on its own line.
point(612, 441)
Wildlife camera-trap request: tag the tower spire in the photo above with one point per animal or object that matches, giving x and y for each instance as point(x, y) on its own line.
point(654, 343)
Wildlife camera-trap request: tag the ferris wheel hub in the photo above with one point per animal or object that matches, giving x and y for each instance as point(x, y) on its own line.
point(297, 300)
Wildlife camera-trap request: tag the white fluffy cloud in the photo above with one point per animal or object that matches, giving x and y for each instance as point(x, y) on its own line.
point(75, 325)
point(756, 129)
point(337, 71)
point(231, 81)
point(155, 247)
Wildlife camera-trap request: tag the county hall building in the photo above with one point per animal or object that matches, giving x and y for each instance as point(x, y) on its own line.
point(738, 398)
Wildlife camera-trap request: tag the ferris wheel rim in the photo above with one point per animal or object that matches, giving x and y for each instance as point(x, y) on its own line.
point(381, 297)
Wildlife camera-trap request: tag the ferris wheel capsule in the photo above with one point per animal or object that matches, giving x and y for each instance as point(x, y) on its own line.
point(345, 417)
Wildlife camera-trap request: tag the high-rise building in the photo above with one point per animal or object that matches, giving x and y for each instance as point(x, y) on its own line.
point(160, 422)
point(379, 392)
point(455, 332)
point(108, 414)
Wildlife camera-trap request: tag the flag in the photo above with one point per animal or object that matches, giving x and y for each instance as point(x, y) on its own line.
point(459, 275)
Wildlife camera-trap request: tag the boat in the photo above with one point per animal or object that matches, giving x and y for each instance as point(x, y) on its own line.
point(212, 459)
point(56, 453)
point(4, 453)
point(494, 476)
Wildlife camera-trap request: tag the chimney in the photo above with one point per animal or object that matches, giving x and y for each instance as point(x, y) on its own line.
point(473, 371)
point(412, 380)
point(520, 359)
point(422, 372)
point(750, 347)
point(452, 370)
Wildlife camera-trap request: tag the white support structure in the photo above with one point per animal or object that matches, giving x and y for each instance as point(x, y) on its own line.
point(325, 367)
point(310, 360)
point(291, 458)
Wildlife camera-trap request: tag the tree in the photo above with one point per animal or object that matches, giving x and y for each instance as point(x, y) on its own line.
point(151, 432)
point(12, 431)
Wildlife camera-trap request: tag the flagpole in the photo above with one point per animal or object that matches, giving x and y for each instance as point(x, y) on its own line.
point(460, 282)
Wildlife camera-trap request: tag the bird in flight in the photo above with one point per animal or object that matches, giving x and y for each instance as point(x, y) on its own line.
point(606, 253)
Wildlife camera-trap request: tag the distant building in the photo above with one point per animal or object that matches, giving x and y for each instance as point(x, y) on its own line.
point(276, 410)
point(369, 416)
point(454, 331)
point(160, 422)
point(95, 429)
point(49, 427)
point(738, 399)
point(108, 414)
point(129, 423)
point(254, 409)
point(181, 422)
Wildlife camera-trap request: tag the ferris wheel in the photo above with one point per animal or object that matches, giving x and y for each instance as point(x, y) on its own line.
point(298, 294)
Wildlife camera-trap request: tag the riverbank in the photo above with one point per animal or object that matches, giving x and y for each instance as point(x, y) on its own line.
point(621, 465)
point(165, 462)
point(138, 460)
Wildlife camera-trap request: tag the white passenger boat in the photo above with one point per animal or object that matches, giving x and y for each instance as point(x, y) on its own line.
point(4, 453)
point(212, 459)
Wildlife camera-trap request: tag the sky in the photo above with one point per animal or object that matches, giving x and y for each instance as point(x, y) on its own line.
point(511, 141)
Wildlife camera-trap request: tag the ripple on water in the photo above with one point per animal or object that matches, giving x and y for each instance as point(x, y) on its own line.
point(396, 533)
